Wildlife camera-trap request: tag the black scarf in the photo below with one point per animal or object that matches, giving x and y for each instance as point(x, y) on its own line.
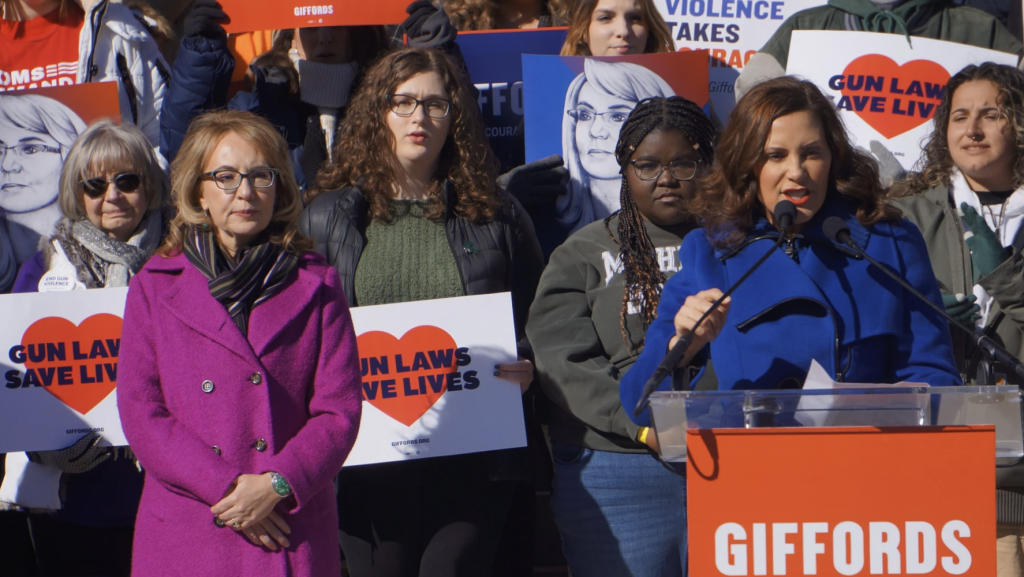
point(259, 272)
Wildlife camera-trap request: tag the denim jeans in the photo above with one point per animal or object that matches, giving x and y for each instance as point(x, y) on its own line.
point(619, 514)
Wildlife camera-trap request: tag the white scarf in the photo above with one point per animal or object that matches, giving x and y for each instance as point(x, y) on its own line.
point(1008, 223)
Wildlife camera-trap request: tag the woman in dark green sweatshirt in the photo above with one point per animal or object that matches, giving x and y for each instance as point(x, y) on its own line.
point(619, 511)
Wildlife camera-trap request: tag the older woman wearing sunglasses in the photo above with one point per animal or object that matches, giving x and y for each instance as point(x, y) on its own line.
point(111, 194)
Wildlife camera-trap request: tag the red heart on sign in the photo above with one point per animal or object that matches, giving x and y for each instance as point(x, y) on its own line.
point(893, 99)
point(78, 365)
point(405, 377)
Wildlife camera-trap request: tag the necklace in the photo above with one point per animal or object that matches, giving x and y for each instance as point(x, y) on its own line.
point(992, 216)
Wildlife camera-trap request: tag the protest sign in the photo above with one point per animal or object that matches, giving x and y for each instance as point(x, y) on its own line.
point(732, 31)
point(494, 61)
point(59, 365)
point(252, 15)
point(428, 381)
point(885, 89)
point(575, 106)
point(38, 128)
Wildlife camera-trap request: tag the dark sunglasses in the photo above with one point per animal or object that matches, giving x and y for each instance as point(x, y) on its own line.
point(97, 187)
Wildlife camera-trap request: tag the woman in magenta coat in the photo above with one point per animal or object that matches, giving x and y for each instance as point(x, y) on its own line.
point(239, 373)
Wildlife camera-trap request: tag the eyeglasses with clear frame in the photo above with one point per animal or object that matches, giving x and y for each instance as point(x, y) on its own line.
point(588, 115)
point(232, 179)
point(27, 149)
point(405, 105)
point(651, 170)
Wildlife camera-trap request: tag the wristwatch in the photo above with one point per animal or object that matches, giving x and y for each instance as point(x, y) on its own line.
point(280, 485)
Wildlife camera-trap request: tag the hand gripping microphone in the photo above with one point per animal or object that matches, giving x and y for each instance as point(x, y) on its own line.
point(837, 231)
point(785, 214)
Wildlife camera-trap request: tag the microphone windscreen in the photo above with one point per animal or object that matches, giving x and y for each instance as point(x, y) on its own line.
point(835, 229)
point(785, 214)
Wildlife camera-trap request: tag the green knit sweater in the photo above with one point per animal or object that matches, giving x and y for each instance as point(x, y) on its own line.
point(408, 259)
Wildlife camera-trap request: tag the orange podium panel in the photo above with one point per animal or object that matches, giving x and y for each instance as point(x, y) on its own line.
point(842, 501)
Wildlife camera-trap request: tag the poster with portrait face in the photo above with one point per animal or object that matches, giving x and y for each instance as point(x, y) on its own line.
point(731, 31)
point(37, 129)
point(885, 89)
point(494, 61)
point(576, 105)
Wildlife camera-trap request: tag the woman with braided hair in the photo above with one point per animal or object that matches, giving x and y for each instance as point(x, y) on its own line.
point(587, 323)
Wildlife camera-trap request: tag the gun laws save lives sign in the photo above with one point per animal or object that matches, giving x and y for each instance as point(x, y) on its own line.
point(59, 368)
point(427, 374)
point(428, 381)
point(732, 31)
point(885, 89)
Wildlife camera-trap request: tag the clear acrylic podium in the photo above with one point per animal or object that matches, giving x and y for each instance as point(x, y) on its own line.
point(673, 412)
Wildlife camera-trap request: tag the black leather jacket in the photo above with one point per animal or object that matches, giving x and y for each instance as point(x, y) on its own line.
point(496, 256)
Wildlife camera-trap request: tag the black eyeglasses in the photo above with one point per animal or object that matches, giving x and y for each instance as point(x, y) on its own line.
point(651, 170)
point(97, 187)
point(232, 179)
point(404, 105)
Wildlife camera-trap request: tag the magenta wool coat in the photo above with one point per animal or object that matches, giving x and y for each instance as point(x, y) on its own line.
point(201, 404)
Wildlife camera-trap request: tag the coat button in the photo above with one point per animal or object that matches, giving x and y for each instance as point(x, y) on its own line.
point(261, 445)
point(207, 386)
point(216, 449)
point(218, 522)
point(256, 378)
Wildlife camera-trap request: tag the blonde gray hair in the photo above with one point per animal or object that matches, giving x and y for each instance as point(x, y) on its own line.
point(104, 148)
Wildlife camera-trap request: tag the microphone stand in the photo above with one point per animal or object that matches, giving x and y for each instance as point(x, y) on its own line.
point(990, 349)
point(785, 214)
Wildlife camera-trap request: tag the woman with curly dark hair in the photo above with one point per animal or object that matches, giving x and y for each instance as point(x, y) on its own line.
point(813, 301)
point(412, 212)
point(596, 298)
point(968, 201)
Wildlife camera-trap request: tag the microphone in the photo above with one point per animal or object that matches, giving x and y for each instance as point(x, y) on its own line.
point(785, 214)
point(837, 231)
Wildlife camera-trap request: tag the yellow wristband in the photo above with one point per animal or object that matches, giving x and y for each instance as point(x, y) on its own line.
point(641, 435)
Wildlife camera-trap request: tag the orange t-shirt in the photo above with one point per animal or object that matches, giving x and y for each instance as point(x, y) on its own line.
point(40, 52)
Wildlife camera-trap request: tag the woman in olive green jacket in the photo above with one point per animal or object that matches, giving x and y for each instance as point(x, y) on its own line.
point(968, 202)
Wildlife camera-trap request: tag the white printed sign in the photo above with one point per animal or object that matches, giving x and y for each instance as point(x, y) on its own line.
point(428, 381)
point(59, 368)
point(885, 89)
point(732, 30)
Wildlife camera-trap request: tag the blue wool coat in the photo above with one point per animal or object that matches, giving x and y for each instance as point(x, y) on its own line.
point(826, 305)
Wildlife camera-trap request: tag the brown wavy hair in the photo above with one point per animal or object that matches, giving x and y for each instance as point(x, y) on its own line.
point(937, 162)
point(364, 154)
point(577, 40)
point(728, 202)
point(201, 140)
point(484, 14)
point(9, 9)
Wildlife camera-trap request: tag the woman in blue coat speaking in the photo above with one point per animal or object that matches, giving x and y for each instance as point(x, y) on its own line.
point(815, 299)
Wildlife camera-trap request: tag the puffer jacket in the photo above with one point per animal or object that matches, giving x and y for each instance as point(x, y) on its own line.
point(114, 46)
point(496, 256)
point(202, 75)
point(943, 233)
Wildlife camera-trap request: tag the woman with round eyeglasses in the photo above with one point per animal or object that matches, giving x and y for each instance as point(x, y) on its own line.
point(239, 377)
point(36, 134)
point(111, 194)
point(619, 511)
point(412, 213)
point(597, 103)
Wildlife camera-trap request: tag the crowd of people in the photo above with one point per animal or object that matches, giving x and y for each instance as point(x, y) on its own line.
point(350, 168)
